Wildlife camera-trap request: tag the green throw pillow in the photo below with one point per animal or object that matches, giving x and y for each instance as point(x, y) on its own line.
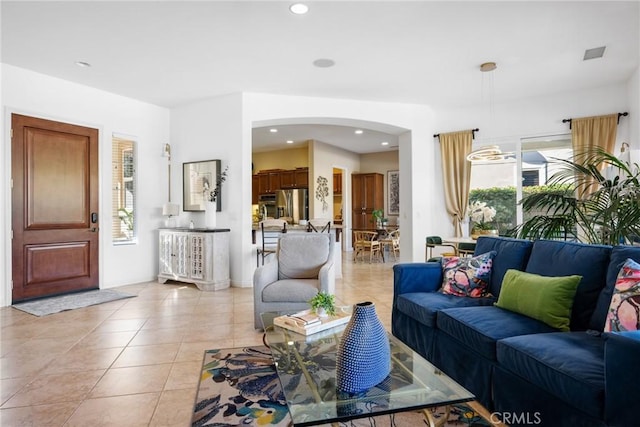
point(548, 299)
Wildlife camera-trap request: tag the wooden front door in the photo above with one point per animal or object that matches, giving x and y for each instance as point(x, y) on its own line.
point(54, 171)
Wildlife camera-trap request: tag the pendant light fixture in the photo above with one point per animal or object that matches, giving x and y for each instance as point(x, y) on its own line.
point(488, 152)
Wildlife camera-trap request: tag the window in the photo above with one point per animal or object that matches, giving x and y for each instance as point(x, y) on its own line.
point(123, 174)
point(494, 181)
point(530, 178)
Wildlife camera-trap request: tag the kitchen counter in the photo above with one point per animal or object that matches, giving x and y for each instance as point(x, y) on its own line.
point(297, 228)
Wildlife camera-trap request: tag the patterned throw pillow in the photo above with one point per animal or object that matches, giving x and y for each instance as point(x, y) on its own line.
point(467, 277)
point(624, 310)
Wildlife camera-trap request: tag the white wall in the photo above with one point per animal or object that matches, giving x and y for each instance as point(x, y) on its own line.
point(325, 158)
point(38, 95)
point(212, 129)
point(633, 93)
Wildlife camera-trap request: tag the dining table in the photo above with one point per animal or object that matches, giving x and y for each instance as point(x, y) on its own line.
point(455, 241)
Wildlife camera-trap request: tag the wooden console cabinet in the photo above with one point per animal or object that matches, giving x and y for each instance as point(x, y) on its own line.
point(199, 256)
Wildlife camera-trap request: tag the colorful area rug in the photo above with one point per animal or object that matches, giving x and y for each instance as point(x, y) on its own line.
point(51, 305)
point(240, 387)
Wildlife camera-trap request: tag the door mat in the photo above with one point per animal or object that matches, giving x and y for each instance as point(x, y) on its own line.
point(240, 386)
point(46, 306)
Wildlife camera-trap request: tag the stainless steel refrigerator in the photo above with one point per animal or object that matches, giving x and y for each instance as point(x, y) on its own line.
point(292, 205)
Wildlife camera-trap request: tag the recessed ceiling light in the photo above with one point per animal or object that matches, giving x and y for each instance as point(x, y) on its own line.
point(358, 131)
point(289, 142)
point(596, 52)
point(324, 63)
point(385, 143)
point(273, 130)
point(83, 64)
point(299, 8)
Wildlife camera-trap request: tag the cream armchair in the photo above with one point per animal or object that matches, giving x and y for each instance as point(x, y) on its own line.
point(303, 267)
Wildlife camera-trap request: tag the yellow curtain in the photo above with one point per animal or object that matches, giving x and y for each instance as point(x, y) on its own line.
point(588, 133)
point(456, 174)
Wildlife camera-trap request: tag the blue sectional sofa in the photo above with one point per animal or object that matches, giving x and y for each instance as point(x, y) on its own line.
point(518, 367)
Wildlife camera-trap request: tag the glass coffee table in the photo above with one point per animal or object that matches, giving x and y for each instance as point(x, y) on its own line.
point(306, 367)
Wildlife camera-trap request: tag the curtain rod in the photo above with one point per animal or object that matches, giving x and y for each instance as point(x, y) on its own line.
point(619, 115)
point(473, 133)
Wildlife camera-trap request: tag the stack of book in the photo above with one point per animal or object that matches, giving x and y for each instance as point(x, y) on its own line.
point(308, 322)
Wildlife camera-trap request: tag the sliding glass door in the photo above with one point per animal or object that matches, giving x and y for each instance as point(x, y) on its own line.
point(517, 168)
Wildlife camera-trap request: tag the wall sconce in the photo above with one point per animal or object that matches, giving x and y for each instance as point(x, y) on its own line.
point(170, 210)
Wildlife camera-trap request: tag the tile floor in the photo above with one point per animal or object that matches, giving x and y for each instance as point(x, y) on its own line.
point(136, 362)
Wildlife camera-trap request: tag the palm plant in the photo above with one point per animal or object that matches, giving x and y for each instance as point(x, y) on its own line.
point(585, 204)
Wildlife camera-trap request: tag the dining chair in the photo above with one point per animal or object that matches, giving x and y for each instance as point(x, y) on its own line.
point(392, 241)
point(271, 230)
point(466, 248)
point(319, 226)
point(366, 241)
point(436, 241)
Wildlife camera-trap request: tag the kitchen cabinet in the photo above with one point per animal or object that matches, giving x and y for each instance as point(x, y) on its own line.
point(337, 183)
point(269, 181)
point(287, 179)
point(295, 178)
point(199, 256)
point(367, 194)
point(301, 177)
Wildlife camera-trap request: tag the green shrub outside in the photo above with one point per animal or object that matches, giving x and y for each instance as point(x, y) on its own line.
point(503, 200)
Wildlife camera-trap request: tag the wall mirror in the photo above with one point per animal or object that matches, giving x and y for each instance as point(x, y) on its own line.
point(198, 180)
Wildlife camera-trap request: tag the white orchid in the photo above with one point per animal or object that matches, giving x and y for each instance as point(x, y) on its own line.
point(481, 214)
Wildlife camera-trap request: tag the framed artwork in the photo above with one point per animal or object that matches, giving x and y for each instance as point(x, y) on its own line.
point(198, 181)
point(393, 192)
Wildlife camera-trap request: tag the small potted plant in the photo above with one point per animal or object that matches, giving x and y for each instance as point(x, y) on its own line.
point(324, 304)
point(378, 215)
point(482, 217)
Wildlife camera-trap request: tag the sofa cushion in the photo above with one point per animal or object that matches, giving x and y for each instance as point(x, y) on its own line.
point(558, 258)
point(569, 365)
point(624, 308)
point(291, 290)
point(548, 299)
point(512, 253)
point(467, 276)
point(301, 255)
point(479, 328)
point(619, 255)
point(423, 306)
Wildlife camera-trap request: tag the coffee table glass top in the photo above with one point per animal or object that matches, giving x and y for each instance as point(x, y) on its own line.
point(306, 367)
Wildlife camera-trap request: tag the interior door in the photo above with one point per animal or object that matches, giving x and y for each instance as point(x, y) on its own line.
point(54, 169)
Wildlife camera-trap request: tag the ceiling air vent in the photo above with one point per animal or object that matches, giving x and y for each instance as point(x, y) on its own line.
point(596, 52)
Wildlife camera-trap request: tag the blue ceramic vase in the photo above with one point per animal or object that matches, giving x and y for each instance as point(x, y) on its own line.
point(364, 356)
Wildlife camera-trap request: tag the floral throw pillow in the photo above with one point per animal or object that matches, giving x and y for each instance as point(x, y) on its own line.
point(624, 310)
point(467, 277)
